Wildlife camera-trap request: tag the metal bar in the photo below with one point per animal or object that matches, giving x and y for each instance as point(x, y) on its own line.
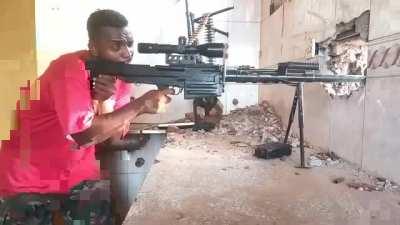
point(266, 78)
point(188, 20)
point(191, 22)
point(214, 13)
point(301, 123)
point(195, 113)
point(291, 117)
point(226, 34)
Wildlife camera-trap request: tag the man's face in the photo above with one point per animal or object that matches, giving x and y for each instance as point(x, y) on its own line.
point(114, 44)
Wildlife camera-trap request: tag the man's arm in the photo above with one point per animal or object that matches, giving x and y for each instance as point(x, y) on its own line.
point(105, 125)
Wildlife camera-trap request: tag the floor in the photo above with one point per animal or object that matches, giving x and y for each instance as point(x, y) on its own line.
point(214, 179)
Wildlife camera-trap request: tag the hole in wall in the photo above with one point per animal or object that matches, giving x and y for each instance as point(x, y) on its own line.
point(345, 53)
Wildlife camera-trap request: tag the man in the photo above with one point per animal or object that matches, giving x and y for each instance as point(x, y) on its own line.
point(48, 169)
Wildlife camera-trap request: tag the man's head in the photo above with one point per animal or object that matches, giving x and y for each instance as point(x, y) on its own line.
point(109, 38)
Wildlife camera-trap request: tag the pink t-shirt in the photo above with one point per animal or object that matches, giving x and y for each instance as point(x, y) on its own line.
point(40, 156)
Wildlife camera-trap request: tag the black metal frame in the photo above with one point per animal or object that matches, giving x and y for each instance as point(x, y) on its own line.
point(297, 104)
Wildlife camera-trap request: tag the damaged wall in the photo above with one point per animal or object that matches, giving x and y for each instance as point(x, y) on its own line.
point(362, 127)
point(346, 52)
point(288, 34)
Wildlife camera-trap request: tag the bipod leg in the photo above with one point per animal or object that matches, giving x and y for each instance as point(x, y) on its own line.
point(292, 113)
point(300, 113)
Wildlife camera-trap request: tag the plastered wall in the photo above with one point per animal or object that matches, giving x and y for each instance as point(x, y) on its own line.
point(17, 56)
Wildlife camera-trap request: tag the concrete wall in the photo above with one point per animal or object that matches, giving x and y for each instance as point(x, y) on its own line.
point(61, 28)
point(244, 49)
point(17, 56)
point(362, 128)
point(381, 152)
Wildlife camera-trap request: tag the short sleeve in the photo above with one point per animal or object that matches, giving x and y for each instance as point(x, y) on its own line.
point(70, 93)
point(123, 95)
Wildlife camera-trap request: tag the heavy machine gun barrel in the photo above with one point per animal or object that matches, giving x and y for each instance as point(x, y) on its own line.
point(271, 76)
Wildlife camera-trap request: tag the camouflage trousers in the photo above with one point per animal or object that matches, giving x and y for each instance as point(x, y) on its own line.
point(87, 204)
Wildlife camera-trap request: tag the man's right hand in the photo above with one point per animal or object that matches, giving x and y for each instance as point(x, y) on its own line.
point(154, 101)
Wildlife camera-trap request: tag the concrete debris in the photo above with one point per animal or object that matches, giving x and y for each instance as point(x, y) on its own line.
point(314, 162)
point(363, 186)
point(242, 130)
point(329, 156)
point(386, 184)
point(258, 121)
point(375, 184)
point(323, 159)
point(240, 144)
point(346, 57)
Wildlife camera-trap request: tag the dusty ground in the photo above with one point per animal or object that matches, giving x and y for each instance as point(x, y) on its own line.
point(209, 181)
point(213, 179)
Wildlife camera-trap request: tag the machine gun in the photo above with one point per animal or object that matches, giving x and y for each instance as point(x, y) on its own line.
point(208, 80)
point(204, 82)
point(186, 71)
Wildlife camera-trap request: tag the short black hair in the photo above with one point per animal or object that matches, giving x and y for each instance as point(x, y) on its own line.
point(104, 18)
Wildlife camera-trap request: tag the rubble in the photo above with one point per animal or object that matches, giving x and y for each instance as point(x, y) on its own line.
point(256, 124)
point(348, 57)
point(371, 183)
point(385, 184)
point(314, 162)
point(240, 144)
point(257, 121)
point(323, 159)
point(243, 129)
point(363, 186)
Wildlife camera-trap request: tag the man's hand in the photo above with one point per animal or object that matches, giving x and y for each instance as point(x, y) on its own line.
point(154, 101)
point(104, 87)
point(130, 142)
